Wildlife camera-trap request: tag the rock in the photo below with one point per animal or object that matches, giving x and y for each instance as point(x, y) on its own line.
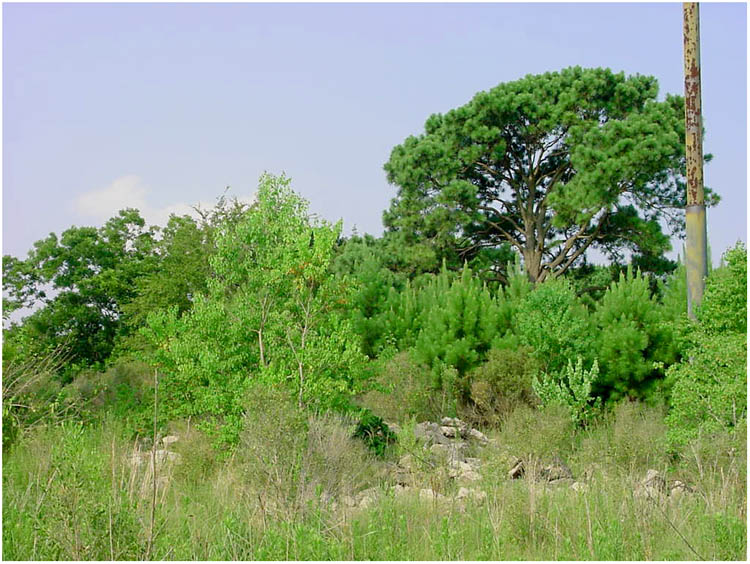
point(652, 486)
point(557, 470)
point(677, 489)
point(367, 498)
point(475, 495)
point(431, 433)
point(428, 495)
point(579, 487)
point(450, 432)
point(395, 427)
point(452, 452)
point(169, 439)
point(400, 491)
point(163, 456)
point(462, 471)
point(470, 476)
point(475, 463)
point(461, 426)
point(517, 471)
point(406, 461)
point(478, 436)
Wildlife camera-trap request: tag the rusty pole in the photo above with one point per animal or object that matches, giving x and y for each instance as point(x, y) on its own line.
point(695, 213)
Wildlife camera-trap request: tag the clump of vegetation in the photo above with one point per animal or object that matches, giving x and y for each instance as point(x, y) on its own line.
point(374, 432)
point(709, 388)
point(572, 390)
point(500, 385)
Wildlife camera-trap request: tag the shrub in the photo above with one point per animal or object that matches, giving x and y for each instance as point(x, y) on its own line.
point(499, 385)
point(374, 432)
point(627, 441)
point(555, 324)
point(459, 322)
point(404, 389)
point(724, 306)
point(571, 390)
point(271, 448)
point(709, 388)
point(632, 336)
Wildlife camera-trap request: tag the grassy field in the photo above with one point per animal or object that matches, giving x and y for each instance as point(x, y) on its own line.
point(71, 492)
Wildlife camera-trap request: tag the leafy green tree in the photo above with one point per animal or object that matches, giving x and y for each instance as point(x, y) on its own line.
point(272, 313)
point(709, 387)
point(79, 283)
point(182, 260)
point(551, 165)
point(553, 322)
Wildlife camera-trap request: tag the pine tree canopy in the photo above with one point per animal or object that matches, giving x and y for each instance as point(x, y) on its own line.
point(551, 165)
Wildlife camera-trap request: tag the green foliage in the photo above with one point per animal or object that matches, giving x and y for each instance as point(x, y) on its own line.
point(374, 432)
point(459, 322)
point(272, 312)
point(362, 259)
point(552, 321)
point(550, 164)
point(633, 335)
point(89, 274)
point(572, 390)
point(404, 389)
point(501, 384)
point(724, 306)
point(709, 387)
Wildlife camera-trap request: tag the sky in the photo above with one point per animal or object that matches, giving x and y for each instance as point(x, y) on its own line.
point(160, 107)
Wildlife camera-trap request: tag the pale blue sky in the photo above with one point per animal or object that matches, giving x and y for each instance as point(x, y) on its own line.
point(162, 106)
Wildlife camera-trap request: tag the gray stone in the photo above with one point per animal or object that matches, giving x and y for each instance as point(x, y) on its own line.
point(449, 432)
point(431, 433)
point(652, 486)
point(428, 494)
point(677, 489)
point(169, 439)
point(517, 471)
point(475, 463)
point(406, 461)
point(557, 470)
point(579, 487)
point(478, 436)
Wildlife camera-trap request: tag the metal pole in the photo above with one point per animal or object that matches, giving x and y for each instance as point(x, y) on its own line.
point(695, 212)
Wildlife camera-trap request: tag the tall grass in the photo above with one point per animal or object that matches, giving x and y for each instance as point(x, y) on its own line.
point(69, 492)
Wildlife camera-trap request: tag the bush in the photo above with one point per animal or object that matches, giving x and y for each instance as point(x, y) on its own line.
point(404, 389)
point(499, 385)
point(374, 433)
point(555, 324)
point(632, 336)
point(572, 390)
point(709, 388)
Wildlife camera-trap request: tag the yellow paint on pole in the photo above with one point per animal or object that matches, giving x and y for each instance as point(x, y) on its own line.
point(696, 260)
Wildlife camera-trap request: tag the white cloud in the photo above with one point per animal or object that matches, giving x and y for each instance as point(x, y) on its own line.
point(130, 192)
point(124, 192)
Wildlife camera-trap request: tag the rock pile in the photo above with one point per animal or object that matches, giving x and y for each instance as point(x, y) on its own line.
point(163, 456)
point(655, 487)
